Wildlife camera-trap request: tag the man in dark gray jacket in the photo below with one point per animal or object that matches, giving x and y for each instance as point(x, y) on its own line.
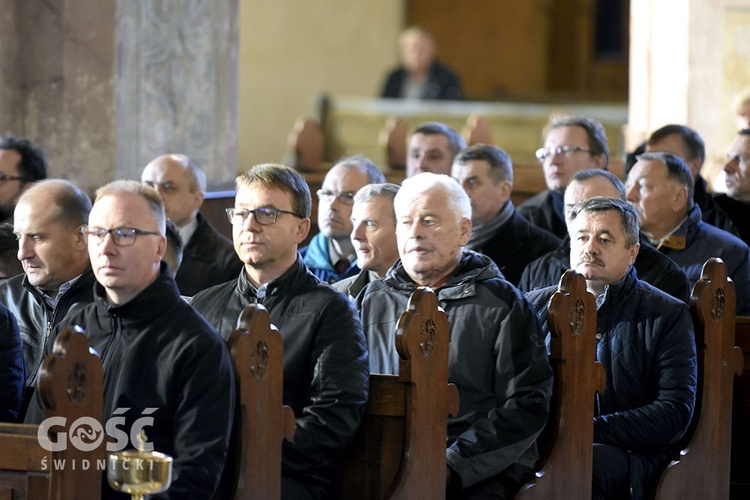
point(646, 343)
point(325, 355)
point(497, 357)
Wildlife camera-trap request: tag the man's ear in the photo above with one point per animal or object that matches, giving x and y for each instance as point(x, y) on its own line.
point(506, 189)
point(161, 248)
point(303, 227)
point(601, 161)
point(680, 199)
point(80, 240)
point(634, 252)
point(464, 231)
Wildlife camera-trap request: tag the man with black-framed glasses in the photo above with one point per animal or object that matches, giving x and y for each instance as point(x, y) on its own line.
point(325, 353)
point(21, 164)
point(572, 143)
point(160, 357)
point(330, 255)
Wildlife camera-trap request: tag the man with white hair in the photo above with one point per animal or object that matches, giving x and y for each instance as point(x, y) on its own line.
point(497, 357)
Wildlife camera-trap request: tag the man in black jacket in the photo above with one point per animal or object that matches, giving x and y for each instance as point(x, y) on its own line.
point(162, 361)
point(652, 265)
point(48, 220)
point(646, 343)
point(736, 201)
point(325, 355)
point(207, 256)
point(498, 231)
point(573, 143)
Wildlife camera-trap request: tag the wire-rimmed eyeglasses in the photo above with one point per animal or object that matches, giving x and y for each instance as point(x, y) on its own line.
point(265, 216)
point(345, 197)
point(542, 153)
point(121, 236)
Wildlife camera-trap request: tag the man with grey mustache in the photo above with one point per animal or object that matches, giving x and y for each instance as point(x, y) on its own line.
point(645, 342)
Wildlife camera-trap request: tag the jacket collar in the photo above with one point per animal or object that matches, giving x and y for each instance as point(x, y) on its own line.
point(144, 307)
point(472, 267)
point(295, 277)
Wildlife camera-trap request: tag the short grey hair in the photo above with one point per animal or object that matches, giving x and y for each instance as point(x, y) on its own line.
point(458, 201)
point(631, 223)
point(370, 191)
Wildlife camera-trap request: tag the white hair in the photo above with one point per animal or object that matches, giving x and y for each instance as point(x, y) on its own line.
point(458, 201)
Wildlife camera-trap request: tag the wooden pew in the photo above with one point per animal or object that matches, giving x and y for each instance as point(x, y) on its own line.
point(566, 464)
point(702, 469)
point(70, 385)
point(740, 471)
point(399, 450)
point(262, 422)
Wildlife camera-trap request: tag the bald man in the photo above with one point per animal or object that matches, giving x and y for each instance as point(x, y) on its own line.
point(208, 257)
point(57, 276)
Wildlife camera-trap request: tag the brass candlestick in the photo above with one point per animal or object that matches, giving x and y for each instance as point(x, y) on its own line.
point(139, 472)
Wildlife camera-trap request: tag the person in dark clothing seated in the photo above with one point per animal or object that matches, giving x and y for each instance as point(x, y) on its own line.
point(736, 201)
point(330, 255)
point(58, 278)
point(160, 357)
point(573, 143)
point(207, 255)
point(325, 354)
point(652, 266)
point(9, 264)
point(22, 163)
point(420, 75)
point(685, 142)
point(497, 358)
point(660, 187)
point(498, 231)
point(12, 368)
point(646, 343)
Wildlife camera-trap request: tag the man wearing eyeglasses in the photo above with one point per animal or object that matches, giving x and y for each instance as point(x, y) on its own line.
point(330, 255)
point(573, 143)
point(57, 276)
point(736, 201)
point(160, 357)
point(21, 164)
point(208, 257)
point(325, 354)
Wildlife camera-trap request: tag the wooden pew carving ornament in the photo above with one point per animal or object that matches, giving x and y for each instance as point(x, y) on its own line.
point(568, 463)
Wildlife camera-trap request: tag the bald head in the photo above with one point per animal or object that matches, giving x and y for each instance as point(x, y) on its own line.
point(180, 183)
point(51, 247)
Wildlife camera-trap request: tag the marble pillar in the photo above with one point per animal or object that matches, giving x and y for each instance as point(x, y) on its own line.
point(176, 85)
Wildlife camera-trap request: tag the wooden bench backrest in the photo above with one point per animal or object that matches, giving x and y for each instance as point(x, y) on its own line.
point(70, 385)
point(740, 483)
point(306, 145)
point(393, 138)
point(702, 470)
point(262, 422)
point(566, 467)
point(399, 450)
point(477, 130)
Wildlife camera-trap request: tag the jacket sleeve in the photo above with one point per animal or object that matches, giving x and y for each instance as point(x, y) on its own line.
point(12, 372)
point(338, 392)
point(653, 426)
point(523, 387)
point(202, 421)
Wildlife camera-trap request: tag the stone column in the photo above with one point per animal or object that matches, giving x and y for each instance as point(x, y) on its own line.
point(176, 85)
point(687, 61)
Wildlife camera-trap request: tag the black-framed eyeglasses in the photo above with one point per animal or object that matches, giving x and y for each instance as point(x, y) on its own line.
point(265, 216)
point(4, 178)
point(345, 197)
point(121, 236)
point(542, 153)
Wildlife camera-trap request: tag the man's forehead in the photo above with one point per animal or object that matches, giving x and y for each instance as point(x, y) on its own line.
point(428, 141)
point(256, 192)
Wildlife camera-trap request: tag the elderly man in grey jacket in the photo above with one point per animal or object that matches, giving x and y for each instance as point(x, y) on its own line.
point(497, 357)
